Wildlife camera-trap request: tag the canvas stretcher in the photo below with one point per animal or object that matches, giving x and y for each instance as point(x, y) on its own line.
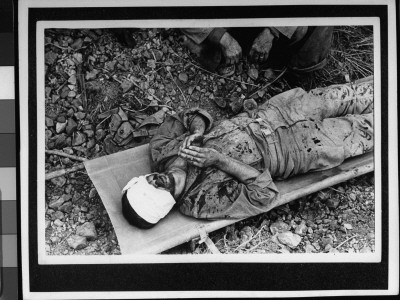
point(110, 174)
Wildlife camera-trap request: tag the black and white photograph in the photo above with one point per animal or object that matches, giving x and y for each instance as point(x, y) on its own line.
point(165, 142)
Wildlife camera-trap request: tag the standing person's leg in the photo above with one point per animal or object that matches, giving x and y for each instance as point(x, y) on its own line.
point(310, 52)
point(208, 54)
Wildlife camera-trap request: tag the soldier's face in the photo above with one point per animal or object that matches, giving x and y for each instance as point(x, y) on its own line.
point(163, 181)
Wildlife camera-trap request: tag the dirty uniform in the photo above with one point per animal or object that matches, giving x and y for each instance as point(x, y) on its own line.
point(294, 132)
point(301, 48)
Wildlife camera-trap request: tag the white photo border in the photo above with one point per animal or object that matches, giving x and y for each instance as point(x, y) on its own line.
point(157, 259)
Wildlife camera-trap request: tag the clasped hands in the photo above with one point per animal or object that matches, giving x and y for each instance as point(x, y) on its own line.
point(198, 156)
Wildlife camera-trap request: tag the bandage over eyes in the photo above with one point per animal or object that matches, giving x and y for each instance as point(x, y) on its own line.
point(150, 203)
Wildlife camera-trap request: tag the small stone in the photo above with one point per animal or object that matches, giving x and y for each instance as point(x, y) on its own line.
point(72, 79)
point(333, 250)
point(328, 247)
point(301, 229)
point(151, 63)
point(92, 193)
point(89, 133)
point(59, 215)
point(183, 77)
point(100, 134)
point(71, 127)
point(87, 230)
point(92, 74)
point(289, 239)
point(310, 230)
point(58, 223)
point(77, 242)
point(91, 143)
point(316, 246)
point(84, 209)
point(54, 239)
point(284, 250)
point(370, 236)
point(253, 73)
point(55, 204)
point(269, 74)
point(326, 241)
point(78, 138)
point(49, 122)
point(66, 207)
point(279, 227)
point(309, 248)
point(77, 43)
point(71, 94)
point(47, 224)
point(80, 115)
point(333, 203)
point(50, 57)
point(110, 65)
point(78, 57)
point(60, 127)
point(365, 249)
point(341, 189)
point(348, 226)
point(76, 197)
point(352, 196)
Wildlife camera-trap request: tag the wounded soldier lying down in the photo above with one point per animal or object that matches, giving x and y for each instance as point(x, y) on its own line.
point(226, 170)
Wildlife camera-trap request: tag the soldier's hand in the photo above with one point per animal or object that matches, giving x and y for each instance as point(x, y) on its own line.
point(200, 157)
point(261, 47)
point(230, 49)
point(189, 140)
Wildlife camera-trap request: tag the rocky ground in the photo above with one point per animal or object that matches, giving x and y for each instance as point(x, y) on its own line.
point(103, 97)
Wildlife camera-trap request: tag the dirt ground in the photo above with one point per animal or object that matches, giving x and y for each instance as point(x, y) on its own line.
point(93, 83)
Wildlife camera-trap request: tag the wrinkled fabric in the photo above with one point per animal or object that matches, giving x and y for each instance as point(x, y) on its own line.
point(302, 49)
point(294, 132)
point(200, 34)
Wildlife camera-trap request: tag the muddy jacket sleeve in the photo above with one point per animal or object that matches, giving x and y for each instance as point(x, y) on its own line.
point(165, 143)
point(216, 195)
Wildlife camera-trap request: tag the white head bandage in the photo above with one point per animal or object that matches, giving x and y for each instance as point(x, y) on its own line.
point(150, 203)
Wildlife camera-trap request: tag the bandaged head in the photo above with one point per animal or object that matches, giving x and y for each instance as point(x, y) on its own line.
point(150, 203)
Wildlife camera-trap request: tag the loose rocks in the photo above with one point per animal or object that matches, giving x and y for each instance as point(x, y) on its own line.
point(77, 242)
point(279, 227)
point(87, 230)
point(289, 239)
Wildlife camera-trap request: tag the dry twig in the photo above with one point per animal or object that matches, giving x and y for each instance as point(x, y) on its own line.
point(214, 74)
point(248, 241)
point(60, 153)
point(62, 172)
point(269, 83)
point(183, 95)
point(341, 244)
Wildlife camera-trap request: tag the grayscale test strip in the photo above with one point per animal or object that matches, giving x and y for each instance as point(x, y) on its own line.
point(8, 203)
